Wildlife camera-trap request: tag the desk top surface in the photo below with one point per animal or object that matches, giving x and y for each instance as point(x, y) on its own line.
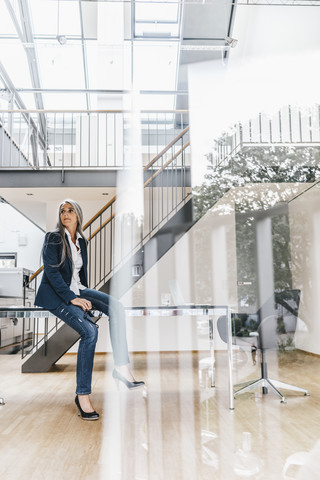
point(163, 310)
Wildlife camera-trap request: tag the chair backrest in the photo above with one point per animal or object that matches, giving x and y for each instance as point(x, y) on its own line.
point(274, 328)
point(278, 314)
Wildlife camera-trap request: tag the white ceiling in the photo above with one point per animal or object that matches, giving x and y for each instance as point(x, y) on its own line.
point(260, 30)
point(40, 204)
point(32, 195)
point(113, 45)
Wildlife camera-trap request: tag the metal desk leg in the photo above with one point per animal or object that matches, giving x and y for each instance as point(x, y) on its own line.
point(230, 362)
point(46, 320)
point(211, 336)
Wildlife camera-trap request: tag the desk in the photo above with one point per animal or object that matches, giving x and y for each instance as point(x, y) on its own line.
point(195, 310)
point(162, 311)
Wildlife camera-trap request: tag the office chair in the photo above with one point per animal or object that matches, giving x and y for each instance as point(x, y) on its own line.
point(277, 316)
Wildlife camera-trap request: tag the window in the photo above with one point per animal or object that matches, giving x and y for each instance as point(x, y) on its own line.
point(8, 260)
point(157, 19)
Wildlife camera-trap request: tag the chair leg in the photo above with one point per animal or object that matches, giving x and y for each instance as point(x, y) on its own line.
point(270, 384)
point(251, 386)
point(266, 383)
point(287, 386)
point(244, 384)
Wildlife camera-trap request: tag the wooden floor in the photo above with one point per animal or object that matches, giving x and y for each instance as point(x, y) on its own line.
point(178, 429)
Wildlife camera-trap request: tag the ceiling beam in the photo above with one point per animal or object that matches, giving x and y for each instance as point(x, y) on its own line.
point(98, 91)
point(84, 56)
point(25, 34)
point(282, 3)
point(26, 37)
point(19, 102)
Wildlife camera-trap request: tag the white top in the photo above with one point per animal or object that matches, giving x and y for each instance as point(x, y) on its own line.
point(75, 285)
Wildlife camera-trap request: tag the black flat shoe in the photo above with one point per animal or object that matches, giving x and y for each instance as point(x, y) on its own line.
point(131, 385)
point(86, 415)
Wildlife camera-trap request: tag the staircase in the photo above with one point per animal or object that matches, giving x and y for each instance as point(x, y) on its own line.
point(10, 149)
point(121, 250)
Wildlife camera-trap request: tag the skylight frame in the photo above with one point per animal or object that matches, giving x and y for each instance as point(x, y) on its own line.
point(162, 27)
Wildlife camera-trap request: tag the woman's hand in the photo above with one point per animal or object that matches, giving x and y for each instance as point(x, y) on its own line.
point(82, 303)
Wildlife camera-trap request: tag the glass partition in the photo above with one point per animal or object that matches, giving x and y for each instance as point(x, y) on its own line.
point(215, 209)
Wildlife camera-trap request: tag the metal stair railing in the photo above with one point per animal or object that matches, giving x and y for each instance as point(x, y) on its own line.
point(113, 238)
point(288, 126)
point(166, 189)
point(10, 148)
point(82, 139)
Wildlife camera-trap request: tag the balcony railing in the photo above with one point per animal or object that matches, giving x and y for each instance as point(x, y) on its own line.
point(82, 139)
point(113, 238)
point(289, 126)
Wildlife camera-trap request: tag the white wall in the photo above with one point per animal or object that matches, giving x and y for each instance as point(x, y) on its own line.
point(203, 262)
point(13, 225)
point(36, 211)
point(264, 30)
point(89, 208)
point(304, 215)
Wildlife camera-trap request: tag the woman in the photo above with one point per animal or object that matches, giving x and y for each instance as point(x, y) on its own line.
point(64, 292)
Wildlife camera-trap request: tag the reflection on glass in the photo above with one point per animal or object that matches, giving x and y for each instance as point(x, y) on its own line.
point(246, 463)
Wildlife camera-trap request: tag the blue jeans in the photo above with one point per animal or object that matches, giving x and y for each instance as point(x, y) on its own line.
point(76, 318)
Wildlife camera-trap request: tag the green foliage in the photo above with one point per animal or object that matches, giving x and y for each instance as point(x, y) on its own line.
point(285, 164)
point(252, 165)
point(280, 325)
point(286, 344)
point(241, 327)
point(237, 324)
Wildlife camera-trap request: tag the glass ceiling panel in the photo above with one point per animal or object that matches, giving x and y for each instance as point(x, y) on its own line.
point(47, 22)
point(14, 60)
point(157, 19)
point(64, 101)
point(156, 11)
point(28, 100)
point(108, 66)
point(155, 29)
point(157, 102)
point(161, 62)
point(60, 66)
point(6, 25)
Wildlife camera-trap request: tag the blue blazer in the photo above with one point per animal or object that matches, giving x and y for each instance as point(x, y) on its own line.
point(54, 288)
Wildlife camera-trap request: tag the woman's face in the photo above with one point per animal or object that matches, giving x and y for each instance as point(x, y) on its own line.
point(68, 216)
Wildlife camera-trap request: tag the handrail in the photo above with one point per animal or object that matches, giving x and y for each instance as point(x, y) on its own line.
point(34, 110)
point(34, 275)
point(167, 163)
point(92, 140)
point(181, 134)
point(159, 155)
point(105, 207)
point(9, 135)
point(101, 227)
point(113, 199)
